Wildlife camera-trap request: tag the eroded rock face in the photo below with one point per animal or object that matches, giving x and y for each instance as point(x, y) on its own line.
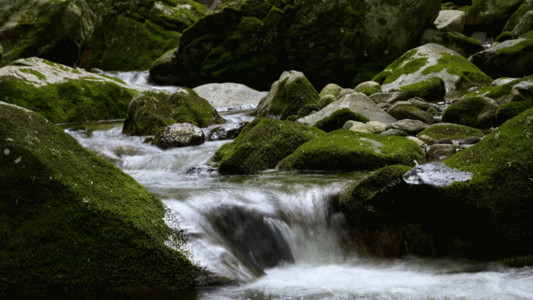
point(330, 41)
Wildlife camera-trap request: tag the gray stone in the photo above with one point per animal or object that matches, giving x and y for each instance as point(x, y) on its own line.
point(394, 131)
point(229, 95)
point(410, 126)
point(438, 152)
point(180, 135)
point(389, 97)
point(435, 174)
point(450, 20)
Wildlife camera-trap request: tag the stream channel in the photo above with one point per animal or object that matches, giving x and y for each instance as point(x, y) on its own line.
point(274, 236)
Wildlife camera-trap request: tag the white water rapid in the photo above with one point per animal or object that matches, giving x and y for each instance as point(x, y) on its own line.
point(273, 236)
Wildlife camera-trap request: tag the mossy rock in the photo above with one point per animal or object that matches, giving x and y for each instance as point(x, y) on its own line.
point(431, 89)
point(150, 112)
point(490, 14)
point(262, 145)
point(511, 109)
point(512, 58)
point(254, 42)
point(428, 61)
point(288, 96)
point(338, 119)
point(450, 132)
point(368, 88)
point(520, 21)
point(455, 41)
point(63, 94)
point(345, 150)
point(70, 231)
point(472, 111)
point(407, 110)
point(331, 89)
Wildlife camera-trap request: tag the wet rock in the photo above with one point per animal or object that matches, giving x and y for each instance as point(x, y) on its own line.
point(180, 135)
point(226, 132)
point(123, 150)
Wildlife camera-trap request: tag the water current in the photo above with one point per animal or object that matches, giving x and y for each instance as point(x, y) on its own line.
point(274, 236)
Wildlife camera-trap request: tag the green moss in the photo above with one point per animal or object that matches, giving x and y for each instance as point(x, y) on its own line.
point(262, 145)
point(69, 101)
point(465, 111)
point(430, 89)
point(410, 111)
point(501, 184)
point(69, 231)
point(337, 120)
point(397, 70)
point(38, 74)
point(151, 111)
point(451, 132)
point(458, 65)
point(372, 184)
point(345, 150)
point(292, 96)
point(511, 109)
point(369, 90)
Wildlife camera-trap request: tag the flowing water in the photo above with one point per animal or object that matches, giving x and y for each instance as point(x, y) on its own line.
point(274, 236)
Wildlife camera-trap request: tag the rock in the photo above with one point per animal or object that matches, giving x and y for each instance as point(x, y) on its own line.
point(63, 94)
point(476, 111)
point(326, 100)
point(233, 95)
point(151, 111)
point(368, 87)
point(288, 95)
point(60, 200)
point(418, 141)
point(368, 127)
point(486, 191)
point(450, 131)
point(254, 42)
point(450, 20)
point(394, 131)
point(331, 89)
point(180, 135)
point(487, 13)
point(438, 152)
point(337, 120)
point(389, 97)
point(520, 22)
point(345, 150)
point(512, 58)
point(356, 102)
point(262, 145)
point(410, 126)
point(228, 132)
point(432, 60)
point(431, 89)
point(124, 150)
point(455, 41)
point(407, 110)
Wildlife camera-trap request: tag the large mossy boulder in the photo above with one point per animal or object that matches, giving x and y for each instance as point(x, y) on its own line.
point(521, 21)
point(490, 14)
point(287, 96)
point(432, 60)
point(262, 145)
point(453, 132)
point(330, 41)
point(111, 35)
point(74, 223)
point(512, 58)
point(477, 204)
point(345, 150)
point(149, 112)
point(63, 94)
point(475, 111)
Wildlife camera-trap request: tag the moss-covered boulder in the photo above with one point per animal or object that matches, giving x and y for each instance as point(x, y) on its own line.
point(432, 60)
point(339, 41)
point(345, 150)
point(490, 14)
point(287, 96)
point(73, 223)
point(476, 205)
point(262, 145)
point(408, 110)
point(431, 89)
point(331, 89)
point(337, 120)
point(455, 41)
point(475, 111)
point(112, 35)
point(521, 21)
point(357, 103)
point(63, 94)
point(452, 132)
point(512, 58)
point(149, 112)
point(368, 88)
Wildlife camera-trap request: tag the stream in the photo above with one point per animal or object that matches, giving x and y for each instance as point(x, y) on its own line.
point(274, 236)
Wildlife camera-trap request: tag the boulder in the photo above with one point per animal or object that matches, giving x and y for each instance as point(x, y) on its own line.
point(226, 132)
point(410, 126)
point(368, 87)
point(484, 187)
point(339, 41)
point(407, 110)
point(368, 127)
point(63, 94)
point(476, 111)
point(149, 112)
point(438, 152)
point(72, 222)
point(521, 21)
point(345, 150)
point(262, 145)
point(111, 35)
point(287, 96)
point(229, 95)
point(331, 89)
point(450, 20)
point(432, 60)
point(389, 97)
point(337, 120)
point(455, 41)
point(449, 131)
point(512, 58)
point(490, 13)
point(179, 135)
point(357, 103)
point(431, 89)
